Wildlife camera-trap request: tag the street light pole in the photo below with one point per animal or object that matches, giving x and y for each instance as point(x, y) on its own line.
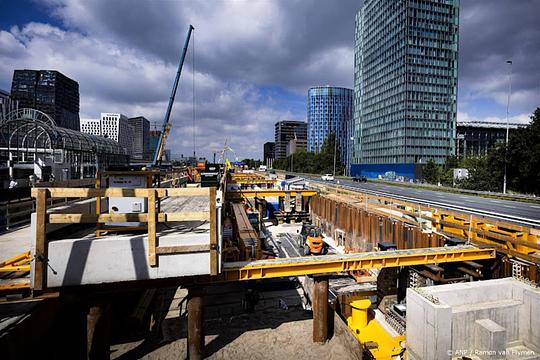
point(509, 62)
point(335, 150)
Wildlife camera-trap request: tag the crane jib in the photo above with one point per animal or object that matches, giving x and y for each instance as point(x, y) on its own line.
point(163, 136)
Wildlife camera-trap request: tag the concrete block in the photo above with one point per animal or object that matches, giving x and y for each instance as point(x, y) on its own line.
point(490, 340)
point(429, 328)
point(122, 258)
point(530, 319)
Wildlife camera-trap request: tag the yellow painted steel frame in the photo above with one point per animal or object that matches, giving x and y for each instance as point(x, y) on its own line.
point(19, 263)
point(509, 238)
point(271, 192)
point(253, 181)
point(265, 269)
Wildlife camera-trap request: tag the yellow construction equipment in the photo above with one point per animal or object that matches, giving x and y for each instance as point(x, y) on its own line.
point(372, 335)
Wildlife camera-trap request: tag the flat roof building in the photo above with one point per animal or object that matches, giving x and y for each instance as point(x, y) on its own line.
point(141, 138)
point(405, 83)
point(48, 91)
point(285, 131)
point(476, 138)
point(269, 150)
point(113, 126)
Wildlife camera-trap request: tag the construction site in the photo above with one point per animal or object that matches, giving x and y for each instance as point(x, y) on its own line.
point(251, 264)
point(222, 262)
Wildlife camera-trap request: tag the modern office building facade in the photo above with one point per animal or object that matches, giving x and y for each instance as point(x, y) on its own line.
point(48, 91)
point(269, 153)
point(476, 138)
point(406, 62)
point(6, 103)
point(112, 126)
point(330, 111)
point(285, 131)
point(141, 138)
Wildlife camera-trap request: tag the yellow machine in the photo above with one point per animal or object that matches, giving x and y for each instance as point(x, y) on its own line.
point(372, 335)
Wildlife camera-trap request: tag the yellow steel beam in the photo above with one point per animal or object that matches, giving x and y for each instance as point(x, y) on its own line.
point(264, 269)
point(12, 268)
point(252, 181)
point(24, 257)
point(267, 193)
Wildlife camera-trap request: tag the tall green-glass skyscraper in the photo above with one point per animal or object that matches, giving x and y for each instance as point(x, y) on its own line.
point(405, 85)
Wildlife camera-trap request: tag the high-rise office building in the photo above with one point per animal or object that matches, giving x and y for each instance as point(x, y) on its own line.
point(48, 91)
point(269, 151)
point(330, 111)
point(406, 55)
point(141, 138)
point(286, 130)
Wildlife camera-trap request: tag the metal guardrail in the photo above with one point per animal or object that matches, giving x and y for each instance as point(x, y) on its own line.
point(490, 194)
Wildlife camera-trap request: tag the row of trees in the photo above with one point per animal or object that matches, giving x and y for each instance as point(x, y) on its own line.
point(313, 163)
point(486, 173)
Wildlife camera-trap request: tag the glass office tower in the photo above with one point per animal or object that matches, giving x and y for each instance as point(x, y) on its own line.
point(48, 91)
point(406, 55)
point(330, 111)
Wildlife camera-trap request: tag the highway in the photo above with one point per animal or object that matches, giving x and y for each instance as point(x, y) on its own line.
point(515, 211)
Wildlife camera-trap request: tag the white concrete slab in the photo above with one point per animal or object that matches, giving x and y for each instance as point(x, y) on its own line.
point(122, 258)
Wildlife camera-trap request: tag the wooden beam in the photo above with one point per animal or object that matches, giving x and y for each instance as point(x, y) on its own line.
point(195, 329)
point(152, 237)
point(142, 217)
point(320, 309)
point(40, 264)
point(213, 233)
point(182, 249)
point(122, 192)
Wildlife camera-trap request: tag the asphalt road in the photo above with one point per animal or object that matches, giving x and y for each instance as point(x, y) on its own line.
point(515, 211)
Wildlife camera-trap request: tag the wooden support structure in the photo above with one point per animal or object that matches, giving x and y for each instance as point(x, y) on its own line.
point(320, 309)
point(40, 265)
point(195, 319)
point(98, 331)
point(213, 233)
point(152, 218)
point(152, 229)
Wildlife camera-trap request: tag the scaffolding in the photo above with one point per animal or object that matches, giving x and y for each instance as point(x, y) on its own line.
point(32, 144)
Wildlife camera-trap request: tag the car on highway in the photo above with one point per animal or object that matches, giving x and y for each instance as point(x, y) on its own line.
point(359, 179)
point(327, 177)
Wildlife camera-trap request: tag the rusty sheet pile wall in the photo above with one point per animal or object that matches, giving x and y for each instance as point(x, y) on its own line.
point(359, 229)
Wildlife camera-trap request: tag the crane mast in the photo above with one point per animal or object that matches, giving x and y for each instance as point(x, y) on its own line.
point(166, 121)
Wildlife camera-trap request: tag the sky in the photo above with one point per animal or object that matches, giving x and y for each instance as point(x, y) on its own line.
point(250, 63)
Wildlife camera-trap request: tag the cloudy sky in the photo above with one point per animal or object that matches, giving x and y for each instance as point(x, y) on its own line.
point(253, 60)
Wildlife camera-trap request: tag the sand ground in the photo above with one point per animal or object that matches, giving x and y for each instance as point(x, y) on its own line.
point(271, 334)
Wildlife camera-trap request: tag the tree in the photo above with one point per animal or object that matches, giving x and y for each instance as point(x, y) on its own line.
point(523, 157)
point(431, 172)
point(313, 163)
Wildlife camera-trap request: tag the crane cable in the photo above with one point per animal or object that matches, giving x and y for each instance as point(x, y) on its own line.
point(193, 92)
